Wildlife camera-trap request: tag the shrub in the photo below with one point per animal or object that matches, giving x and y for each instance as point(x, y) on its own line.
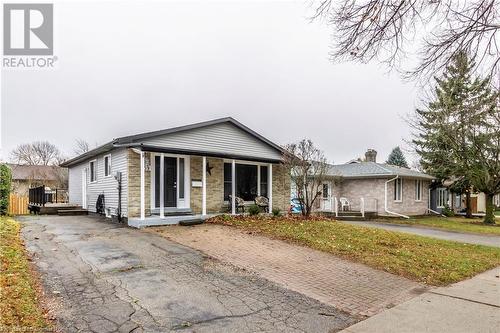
point(448, 212)
point(276, 212)
point(5, 183)
point(253, 210)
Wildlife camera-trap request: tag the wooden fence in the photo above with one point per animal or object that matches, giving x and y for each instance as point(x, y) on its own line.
point(18, 205)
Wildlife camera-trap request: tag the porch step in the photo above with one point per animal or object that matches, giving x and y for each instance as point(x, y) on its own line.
point(350, 213)
point(71, 212)
point(191, 222)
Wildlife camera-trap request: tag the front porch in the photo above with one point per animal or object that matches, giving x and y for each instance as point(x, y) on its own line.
point(168, 188)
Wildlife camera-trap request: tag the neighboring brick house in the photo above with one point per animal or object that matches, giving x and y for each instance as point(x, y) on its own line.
point(27, 176)
point(375, 187)
point(181, 172)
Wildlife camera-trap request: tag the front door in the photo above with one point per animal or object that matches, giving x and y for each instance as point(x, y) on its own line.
point(169, 181)
point(326, 196)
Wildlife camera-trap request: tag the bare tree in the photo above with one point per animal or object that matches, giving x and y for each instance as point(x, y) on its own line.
point(382, 29)
point(308, 168)
point(36, 153)
point(81, 146)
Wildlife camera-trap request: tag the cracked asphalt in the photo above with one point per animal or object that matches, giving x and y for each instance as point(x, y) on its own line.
point(102, 277)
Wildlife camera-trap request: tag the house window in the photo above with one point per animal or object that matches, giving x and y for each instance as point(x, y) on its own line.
point(458, 200)
point(181, 178)
point(398, 189)
point(442, 194)
point(263, 180)
point(93, 173)
point(325, 191)
point(418, 190)
point(227, 181)
point(246, 181)
point(107, 165)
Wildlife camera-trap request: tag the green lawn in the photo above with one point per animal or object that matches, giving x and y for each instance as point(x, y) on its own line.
point(432, 261)
point(461, 224)
point(20, 308)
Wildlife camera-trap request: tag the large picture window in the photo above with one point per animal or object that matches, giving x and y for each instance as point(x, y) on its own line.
point(246, 181)
point(398, 189)
point(263, 180)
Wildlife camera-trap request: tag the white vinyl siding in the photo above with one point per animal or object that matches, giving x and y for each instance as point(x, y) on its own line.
point(103, 185)
point(223, 138)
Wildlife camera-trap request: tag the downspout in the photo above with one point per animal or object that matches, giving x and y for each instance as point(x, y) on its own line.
point(385, 203)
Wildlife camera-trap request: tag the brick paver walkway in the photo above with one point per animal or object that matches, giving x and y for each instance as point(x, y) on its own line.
point(352, 287)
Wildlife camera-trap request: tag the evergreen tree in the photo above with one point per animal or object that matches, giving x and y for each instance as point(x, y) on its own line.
point(397, 158)
point(458, 133)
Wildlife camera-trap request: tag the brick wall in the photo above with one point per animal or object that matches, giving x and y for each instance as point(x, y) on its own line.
point(281, 188)
point(215, 185)
point(134, 185)
point(373, 191)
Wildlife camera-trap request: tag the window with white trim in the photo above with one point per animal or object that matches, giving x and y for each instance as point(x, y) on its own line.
point(107, 165)
point(398, 189)
point(93, 171)
point(418, 190)
point(325, 191)
point(442, 199)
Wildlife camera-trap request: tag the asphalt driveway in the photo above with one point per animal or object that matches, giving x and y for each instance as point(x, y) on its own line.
point(102, 277)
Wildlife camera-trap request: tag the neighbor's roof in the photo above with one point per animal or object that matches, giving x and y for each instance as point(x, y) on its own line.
point(132, 141)
point(373, 170)
point(35, 172)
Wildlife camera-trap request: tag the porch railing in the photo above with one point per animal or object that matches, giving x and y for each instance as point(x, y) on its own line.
point(40, 196)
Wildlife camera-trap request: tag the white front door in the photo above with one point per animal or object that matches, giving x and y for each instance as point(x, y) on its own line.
point(326, 197)
point(84, 188)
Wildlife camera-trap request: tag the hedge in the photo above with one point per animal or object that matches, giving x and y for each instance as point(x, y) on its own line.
point(5, 183)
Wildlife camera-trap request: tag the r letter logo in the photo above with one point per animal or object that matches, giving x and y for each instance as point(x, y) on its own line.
point(28, 29)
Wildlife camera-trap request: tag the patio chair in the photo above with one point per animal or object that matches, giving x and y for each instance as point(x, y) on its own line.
point(263, 203)
point(239, 203)
point(344, 204)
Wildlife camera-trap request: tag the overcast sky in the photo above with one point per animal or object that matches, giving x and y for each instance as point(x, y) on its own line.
point(130, 67)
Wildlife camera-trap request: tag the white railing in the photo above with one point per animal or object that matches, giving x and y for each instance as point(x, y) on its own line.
point(362, 206)
point(336, 206)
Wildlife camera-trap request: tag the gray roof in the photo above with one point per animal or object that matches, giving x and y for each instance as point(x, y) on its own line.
point(135, 141)
point(373, 170)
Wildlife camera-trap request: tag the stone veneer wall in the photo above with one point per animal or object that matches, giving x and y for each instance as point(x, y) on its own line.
point(281, 188)
point(134, 185)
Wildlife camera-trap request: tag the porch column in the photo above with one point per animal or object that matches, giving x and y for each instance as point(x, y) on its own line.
point(270, 182)
point(143, 181)
point(233, 187)
point(162, 188)
point(204, 186)
point(258, 180)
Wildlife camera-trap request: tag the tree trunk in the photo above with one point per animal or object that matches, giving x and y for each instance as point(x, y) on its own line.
point(468, 209)
point(489, 218)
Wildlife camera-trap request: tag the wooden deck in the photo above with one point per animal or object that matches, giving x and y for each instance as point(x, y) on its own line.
point(52, 208)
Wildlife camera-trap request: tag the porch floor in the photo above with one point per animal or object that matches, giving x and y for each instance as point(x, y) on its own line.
point(155, 220)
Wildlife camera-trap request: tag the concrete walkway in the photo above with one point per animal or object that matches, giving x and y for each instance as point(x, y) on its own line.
point(431, 232)
point(469, 306)
point(352, 287)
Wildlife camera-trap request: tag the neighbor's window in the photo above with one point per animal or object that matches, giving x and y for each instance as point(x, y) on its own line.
point(93, 173)
point(442, 198)
point(325, 191)
point(263, 180)
point(107, 165)
point(398, 189)
point(418, 190)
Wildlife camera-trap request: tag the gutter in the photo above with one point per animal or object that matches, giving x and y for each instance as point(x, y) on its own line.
point(385, 203)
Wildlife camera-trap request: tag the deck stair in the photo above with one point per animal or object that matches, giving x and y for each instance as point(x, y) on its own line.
point(72, 212)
